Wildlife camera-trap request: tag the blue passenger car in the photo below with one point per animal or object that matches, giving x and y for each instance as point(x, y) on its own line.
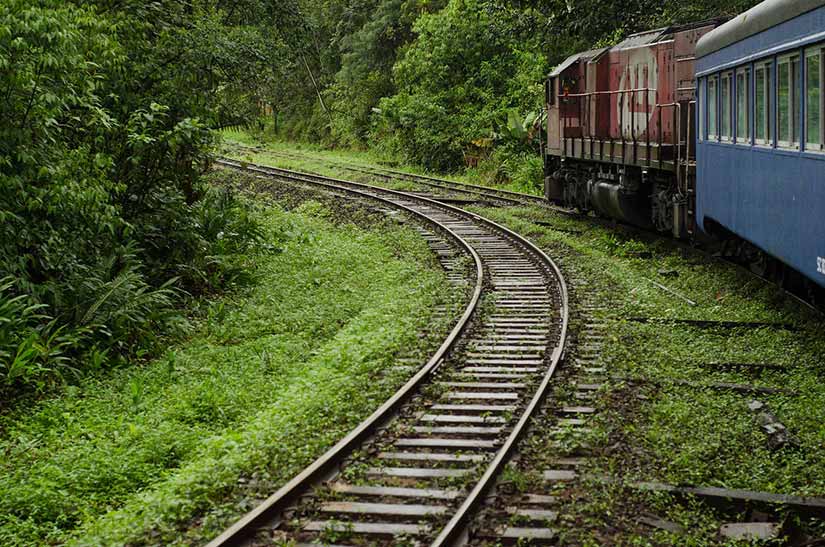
point(760, 155)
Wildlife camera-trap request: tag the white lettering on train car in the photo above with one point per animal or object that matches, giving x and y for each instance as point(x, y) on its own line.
point(641, 72)
point(820, 265)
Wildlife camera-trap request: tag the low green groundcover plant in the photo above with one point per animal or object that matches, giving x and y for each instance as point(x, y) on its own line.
point(162, 453)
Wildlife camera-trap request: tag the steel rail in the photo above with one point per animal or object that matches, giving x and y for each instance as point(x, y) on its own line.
point(519, 198)
point(456, 528)
point(608, 223)
point(442, 184)
point(321, 467)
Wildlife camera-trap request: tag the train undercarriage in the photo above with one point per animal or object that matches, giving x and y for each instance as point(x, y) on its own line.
point(653, 200)
point(647, 198)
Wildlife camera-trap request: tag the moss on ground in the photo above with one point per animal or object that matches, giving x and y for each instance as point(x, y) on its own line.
point(171, 451)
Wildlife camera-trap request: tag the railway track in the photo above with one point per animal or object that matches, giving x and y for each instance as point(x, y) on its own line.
point(506, 197)
point(538, 505)
point(418, 469)
point(474, 191)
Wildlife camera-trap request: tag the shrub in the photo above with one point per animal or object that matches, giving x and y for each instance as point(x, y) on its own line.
point(457, 82)
point(105, 131)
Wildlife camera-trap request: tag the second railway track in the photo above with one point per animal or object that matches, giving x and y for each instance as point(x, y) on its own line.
point(472, 191)
point(460, 191)
point(418, 470)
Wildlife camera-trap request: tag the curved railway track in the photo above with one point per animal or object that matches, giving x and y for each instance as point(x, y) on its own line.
point(419, 468)
point(474, 190)
point(521, 199)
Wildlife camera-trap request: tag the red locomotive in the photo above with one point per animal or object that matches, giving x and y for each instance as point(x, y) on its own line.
point(621, 130)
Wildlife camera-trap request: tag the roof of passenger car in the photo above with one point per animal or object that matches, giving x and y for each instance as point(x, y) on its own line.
point(761, 17)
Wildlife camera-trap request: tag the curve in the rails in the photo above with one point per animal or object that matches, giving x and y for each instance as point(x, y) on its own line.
point(520, 198)
point(440, 455)
point(507, 196)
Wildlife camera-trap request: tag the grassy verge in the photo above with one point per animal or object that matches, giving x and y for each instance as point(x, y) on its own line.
point(665, 416)
point(170, 452)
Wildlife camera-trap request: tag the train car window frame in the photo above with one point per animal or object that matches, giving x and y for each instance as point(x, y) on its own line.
point(763, 134)
point(743, 105)
point(788, 67)
point(701, 107)
point(726, 106)
point(819, 101)
point(713, 108)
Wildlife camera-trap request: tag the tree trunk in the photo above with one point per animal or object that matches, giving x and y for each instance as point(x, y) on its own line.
point(317, 90)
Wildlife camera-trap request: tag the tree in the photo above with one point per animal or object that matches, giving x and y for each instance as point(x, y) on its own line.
point(108, 110)
point(456, 83)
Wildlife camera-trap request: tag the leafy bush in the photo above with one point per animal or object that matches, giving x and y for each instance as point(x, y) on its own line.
point(519, 170)
point(32, 345)
point(457, 83)
point(106, 129)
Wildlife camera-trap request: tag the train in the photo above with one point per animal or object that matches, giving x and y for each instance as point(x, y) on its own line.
point(712, 132)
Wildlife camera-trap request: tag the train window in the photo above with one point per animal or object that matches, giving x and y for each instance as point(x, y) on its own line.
point(787, 101)
point(762, 103)
point(713, 125)
point(813, 100)
point(743, 104)
point(725, 106)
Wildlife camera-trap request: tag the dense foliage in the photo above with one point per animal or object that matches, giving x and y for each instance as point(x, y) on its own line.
point(108, 111)
point(456, 83)
point(446, 83)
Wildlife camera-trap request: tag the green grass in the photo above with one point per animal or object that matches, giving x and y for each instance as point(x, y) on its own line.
point(675, 433)
point(171, 451)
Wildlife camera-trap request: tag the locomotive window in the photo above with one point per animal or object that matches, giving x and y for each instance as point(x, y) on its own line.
point(713, 126)
point(762, 103)
point(787, 101)
point(725, 107)
point(743, 114)
point(813, 100)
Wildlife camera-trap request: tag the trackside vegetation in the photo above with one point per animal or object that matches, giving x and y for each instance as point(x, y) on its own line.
point(445, 84)
point(107, 119)
point(171, 451)
point(675, 408)
point(177, 341)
